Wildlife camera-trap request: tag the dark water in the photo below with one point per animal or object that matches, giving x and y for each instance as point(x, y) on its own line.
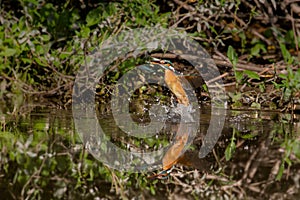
point(257, 156)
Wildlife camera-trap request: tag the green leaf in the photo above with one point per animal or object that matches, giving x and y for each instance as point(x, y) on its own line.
point(152, 190)
point(262, 87)
point(280, 172)
point(91, 178)
point(239, 76)
point(252, 75)
point(286, 54)
point(256, 105)
point(248, 136)
point(213, 30)
point(230, 149)
point(258, 47)
point(65, 55)
point(288, 161)
point(45, 38)
point(8, 52)
point(39, 49)
point(93, 17)
point(235, 96)
point(232, 55)
point(205, 88)
point(85, 32)
point(40, 61)
point(26, 60)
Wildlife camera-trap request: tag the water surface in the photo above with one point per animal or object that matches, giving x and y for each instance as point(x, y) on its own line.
point(256, 157)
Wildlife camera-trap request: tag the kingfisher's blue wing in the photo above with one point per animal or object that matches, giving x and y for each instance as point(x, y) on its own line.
point(147, 68)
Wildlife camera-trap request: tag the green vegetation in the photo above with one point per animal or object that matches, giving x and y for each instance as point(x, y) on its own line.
point(43, 44)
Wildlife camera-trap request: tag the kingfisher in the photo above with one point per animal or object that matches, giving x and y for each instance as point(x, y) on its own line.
point(172, 79)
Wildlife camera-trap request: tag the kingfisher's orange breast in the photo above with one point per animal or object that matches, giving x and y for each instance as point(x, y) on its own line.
point(175, 86)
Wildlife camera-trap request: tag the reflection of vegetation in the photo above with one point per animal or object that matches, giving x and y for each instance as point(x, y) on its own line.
point(262, 155)
point(46, 160)
point(290, 144)
point(41, 157)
